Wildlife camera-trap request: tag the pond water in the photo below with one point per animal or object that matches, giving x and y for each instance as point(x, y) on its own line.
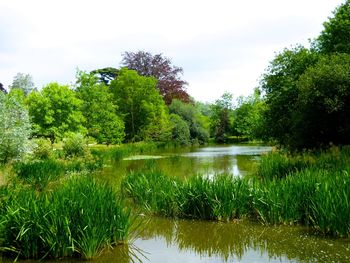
point(238, 160)
point(166, 240)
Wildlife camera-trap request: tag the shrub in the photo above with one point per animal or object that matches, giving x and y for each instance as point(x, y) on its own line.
point(74, 145)
point(43, 149)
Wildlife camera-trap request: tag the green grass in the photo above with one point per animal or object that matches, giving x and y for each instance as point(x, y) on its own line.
point(79, 218)
point(311, 190)
point(39, 173)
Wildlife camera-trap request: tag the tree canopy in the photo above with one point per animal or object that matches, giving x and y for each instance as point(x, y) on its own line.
point(54, 111)
point(144, 112)
point(102, 121)
point(23, 82)
point(335, 36)
point(307, 90)
point(170, 84)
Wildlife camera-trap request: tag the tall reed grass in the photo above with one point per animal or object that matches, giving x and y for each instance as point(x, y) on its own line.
point(79, 218)
point(39, 173)
point(311, 190)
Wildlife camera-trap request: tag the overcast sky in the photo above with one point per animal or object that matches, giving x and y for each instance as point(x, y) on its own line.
point(222, 45)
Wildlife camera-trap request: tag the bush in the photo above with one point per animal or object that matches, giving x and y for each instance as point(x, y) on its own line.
point(43, 149)
point(74, 145)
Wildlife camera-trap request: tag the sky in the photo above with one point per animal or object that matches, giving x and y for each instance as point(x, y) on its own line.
point(222, 45)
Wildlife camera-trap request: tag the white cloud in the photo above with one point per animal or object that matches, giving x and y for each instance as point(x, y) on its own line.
point(222, 45)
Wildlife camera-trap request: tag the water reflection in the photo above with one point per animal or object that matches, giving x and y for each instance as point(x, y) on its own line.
point(236, 160)
point(202, 241)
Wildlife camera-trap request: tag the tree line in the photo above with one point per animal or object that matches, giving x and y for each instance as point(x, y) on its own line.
point(302, 101)
point(144, 100)
point(307, 90)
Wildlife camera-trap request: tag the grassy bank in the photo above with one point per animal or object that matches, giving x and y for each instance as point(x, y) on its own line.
point(78, 218)
point(312, 190)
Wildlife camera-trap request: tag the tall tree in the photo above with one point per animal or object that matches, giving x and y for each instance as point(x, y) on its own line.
point(14, 128)
point(144, 112)
point(105, 75)
point(196, 121)
point(279, 84)
point(102, 121)
point(323, 110)
point(54, 111)
point(248, 116)
point(170, 84)
point(23, 82)
point(335, 36)
point(221, 117)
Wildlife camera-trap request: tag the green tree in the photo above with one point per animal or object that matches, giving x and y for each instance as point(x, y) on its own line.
point(222, 117)
point(14, 128)
point(335, 36)
point(102, 121)
point(54, 111)
point(279, 85)
point(105, 75)
point(23, 82)
point(323, 109)
point(180, 131)
point(144, 112)
point(197, 122)
point(248, 116)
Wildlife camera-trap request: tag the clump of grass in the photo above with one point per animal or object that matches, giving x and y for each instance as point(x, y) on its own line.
point(78, 219)
point(125, 150)
point(39, 173)
point(222, 198)
point(313, 191)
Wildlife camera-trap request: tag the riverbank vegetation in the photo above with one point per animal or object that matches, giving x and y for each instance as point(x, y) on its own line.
point(52, 139)
point(306, 189)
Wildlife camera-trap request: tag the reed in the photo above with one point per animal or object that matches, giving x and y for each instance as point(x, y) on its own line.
point(314, 190)
point(79, 218)
point(39, 173)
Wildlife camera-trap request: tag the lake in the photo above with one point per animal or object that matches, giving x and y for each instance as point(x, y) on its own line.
point(167, 240)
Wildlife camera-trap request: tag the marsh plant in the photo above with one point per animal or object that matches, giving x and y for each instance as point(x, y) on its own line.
point(306, 190)
point(79, 218)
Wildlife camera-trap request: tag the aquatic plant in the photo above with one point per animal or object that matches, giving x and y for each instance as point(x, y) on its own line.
point(79, 218)
point(313, 191)
point(39, 173)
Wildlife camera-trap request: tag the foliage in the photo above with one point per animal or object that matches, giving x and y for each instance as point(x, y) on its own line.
point(74, 145)
point(311, 190)
point(336, 33)
point(169, 84)
point(144, 112)
point(64, 222)
point(248, 116)
point(323, 111)
point(180, 131)
point(43, 149)
point(23, 82)
point(197, 122)
point(2, 89)
point(14, 129)
point(102, 121)
point(54, 111)
point(279, 85)
point(105, 75)
point(221, 120)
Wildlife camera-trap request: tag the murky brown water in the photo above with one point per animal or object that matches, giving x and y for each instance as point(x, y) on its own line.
point(165, 240)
